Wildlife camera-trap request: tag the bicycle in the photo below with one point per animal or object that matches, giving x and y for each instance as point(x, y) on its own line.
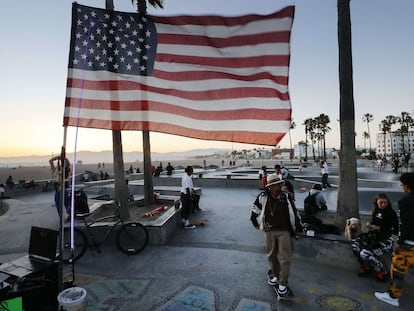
point(131, 238)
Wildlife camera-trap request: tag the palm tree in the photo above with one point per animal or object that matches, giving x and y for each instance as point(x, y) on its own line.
point(148, 182)
point(365, 135)
point(347, 202)
point(292, 126)
point(405, 121)
point(308, 128)
point(385, 127)
point(368, 118)
point(391, 120)
point(323, 128)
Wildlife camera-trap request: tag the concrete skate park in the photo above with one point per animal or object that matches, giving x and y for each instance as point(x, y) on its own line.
point(220, 266)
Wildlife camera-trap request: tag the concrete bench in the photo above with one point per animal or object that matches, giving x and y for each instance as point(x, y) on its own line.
point(98, 182)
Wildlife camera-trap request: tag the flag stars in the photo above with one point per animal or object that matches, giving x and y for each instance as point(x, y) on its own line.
point(107, 41)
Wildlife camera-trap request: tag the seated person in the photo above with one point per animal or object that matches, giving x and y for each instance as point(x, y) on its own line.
point(368, 247)
point(10, 182)
point(320, 199)
point(314, 203)
point(2, 190)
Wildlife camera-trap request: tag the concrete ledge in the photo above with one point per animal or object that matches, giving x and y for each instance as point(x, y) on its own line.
point(160, 233)
point(330, 249)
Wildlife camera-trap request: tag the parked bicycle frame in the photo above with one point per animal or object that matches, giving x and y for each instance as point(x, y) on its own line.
point(131, 237)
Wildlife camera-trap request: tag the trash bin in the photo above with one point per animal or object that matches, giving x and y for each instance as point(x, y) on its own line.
point(72, 299)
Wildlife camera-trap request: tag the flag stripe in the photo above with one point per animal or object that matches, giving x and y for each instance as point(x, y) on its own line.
point(229, 114)
point(214, 78)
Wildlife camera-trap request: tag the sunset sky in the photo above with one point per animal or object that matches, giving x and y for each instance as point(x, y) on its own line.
point(34, 57)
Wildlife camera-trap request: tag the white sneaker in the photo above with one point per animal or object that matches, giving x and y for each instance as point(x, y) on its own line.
point(271, 279)
point(385, 297)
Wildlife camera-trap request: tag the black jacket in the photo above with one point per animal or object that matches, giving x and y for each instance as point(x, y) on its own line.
point(406, 207)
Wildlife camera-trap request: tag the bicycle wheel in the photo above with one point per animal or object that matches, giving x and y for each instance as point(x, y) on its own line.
point(132, 238)
point(81, 243)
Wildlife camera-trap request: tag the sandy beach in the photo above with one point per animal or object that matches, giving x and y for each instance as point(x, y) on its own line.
point(37, 173)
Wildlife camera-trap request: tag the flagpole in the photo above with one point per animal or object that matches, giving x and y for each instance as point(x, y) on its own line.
point(61, 203)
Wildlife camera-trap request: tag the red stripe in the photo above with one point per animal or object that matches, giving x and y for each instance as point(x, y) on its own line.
point(211, 20)
point(229, 93)
point(226, 62)
point(258, 138)
point(234, 114)
point(207, 75)
point(234, 41)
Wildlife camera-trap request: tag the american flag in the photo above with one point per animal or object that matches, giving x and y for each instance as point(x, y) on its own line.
point(206, 77)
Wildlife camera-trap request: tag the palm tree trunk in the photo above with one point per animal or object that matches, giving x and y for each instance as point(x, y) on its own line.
point(148, 182)
point(347, 202)
point(121, 190)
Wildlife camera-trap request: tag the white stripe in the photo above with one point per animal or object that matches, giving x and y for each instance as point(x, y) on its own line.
point(193, 86)
point(170, 67)
point(233, 52)
point(205, 125)
point(201, 105)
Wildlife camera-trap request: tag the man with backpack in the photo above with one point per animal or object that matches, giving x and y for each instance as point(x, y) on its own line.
point(315, 201)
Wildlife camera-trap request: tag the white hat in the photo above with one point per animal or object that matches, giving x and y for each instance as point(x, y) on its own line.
point(273, 179)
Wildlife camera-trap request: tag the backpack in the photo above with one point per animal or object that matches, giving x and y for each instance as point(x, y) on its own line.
point(81, 202)
point(309, 205)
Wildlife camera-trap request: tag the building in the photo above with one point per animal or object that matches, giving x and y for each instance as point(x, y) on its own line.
point(390, 144)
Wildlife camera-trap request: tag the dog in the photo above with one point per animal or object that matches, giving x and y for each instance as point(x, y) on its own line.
point(352, 228)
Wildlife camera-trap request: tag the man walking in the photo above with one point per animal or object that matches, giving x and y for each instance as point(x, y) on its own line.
point(403, 256)
point(279, 221)
point(325, 173)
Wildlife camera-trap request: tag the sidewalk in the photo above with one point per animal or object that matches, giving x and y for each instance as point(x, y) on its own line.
point(221, 266)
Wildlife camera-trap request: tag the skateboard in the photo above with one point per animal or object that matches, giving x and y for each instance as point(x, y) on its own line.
point(199, 222)
point(279, 298)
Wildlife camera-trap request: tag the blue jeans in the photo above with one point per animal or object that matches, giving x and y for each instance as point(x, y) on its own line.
point(325, 182)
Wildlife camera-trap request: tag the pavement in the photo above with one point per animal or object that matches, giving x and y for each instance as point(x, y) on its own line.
point(220, 266)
